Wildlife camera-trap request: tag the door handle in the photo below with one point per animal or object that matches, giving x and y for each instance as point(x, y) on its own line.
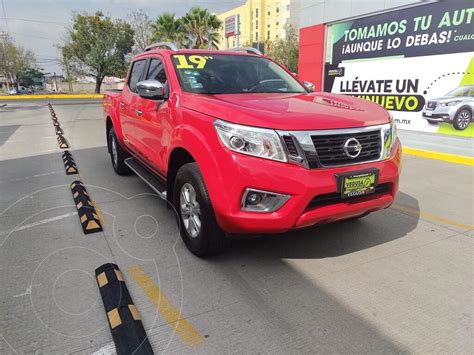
point(138, 112)
point(122, 105)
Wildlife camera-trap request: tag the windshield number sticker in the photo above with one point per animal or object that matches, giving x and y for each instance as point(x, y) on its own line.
point(199, 61)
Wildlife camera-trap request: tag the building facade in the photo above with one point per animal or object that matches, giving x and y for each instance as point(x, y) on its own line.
point(257, 21)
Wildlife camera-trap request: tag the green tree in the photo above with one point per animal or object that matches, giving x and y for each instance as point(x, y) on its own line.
point(97, 46)
point(14, 60)
point(285, 50)
point(167, 28)
point(66, 63)
point(201, 28)
point(30, 76)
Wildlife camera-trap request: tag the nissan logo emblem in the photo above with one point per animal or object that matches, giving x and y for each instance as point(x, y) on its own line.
point(352, 148)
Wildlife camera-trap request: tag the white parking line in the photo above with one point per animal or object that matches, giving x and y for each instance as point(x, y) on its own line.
point(38, 223)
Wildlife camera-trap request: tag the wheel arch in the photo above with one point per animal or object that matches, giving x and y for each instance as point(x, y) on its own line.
point(467, 107)
point(178, 157)
point(108, 126)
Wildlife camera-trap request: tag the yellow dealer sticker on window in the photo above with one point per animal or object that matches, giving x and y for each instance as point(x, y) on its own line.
point(191, 61)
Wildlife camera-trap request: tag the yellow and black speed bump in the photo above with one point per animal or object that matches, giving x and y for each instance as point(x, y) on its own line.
point(69, 163)
point(63, 144)
point(124, 319)
point(88, 216)
point(59, 130)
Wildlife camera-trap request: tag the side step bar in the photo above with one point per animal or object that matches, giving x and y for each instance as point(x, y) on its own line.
point(147, 176)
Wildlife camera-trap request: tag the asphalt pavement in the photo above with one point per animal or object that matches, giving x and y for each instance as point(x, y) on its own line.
point(396, 281)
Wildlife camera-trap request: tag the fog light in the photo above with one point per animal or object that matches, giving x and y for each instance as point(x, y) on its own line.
point(254, 198)
point(262, 201)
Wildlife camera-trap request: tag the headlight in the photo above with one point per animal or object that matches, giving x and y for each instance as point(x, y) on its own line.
point(259, 142)
point(450, 103)
point(389, 135)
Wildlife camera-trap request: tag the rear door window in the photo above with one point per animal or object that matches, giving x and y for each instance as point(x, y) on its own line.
point(136, 74)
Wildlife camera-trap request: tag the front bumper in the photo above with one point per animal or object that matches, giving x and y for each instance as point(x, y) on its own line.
point(440, 113)
point(303, 185)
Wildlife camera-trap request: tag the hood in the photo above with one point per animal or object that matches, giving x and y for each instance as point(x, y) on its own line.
point(289, 111)
point(450, 98)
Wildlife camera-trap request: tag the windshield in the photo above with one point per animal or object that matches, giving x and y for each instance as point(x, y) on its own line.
point(462, 91)
point(232, 74)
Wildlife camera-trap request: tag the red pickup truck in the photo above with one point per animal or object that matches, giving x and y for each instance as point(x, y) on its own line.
point(238, 145)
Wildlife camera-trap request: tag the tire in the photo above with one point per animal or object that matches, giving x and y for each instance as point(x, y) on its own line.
point(432, 122)
point(462, 119)
point(208, 238)
point(118, 155)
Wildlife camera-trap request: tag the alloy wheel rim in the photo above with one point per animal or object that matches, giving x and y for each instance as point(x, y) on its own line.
point(463, 119)
point(190, 210)
point(114, 152)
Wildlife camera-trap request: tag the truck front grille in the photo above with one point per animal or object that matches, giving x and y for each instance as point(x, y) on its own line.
point(290, 145)
point(330, 148)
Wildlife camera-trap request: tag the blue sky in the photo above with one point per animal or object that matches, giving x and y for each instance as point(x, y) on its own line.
point(54, 16)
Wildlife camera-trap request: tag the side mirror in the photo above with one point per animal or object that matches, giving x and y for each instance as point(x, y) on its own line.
point(151, 89)
point(309, 85)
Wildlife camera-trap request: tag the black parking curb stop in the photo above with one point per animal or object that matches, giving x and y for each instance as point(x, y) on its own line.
point(124, 319)
point(59, 130)
point(63, 144)
point(88, 216)
point(69, 163)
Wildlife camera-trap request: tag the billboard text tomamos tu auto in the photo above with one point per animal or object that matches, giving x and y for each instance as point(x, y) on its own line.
point(425, 32)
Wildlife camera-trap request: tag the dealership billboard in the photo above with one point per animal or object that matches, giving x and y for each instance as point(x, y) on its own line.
point(404, 58)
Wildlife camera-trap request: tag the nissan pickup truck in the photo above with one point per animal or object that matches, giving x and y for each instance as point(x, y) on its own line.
point(239, 146)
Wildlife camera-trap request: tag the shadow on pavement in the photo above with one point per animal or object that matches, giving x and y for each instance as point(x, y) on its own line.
point(334, 239)
point(6, 132)
point(298, 314)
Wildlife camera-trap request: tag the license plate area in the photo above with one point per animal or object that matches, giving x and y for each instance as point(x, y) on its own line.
point(355, 184)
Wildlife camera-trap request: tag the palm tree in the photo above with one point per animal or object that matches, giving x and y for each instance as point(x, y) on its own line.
point(167, 28)
point(201, 28)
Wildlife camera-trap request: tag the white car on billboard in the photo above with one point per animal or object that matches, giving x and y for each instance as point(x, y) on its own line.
point(455, 108)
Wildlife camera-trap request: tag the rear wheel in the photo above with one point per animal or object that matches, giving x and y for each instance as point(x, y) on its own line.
point(462, 119)
point(199, 229)
point(117, 155)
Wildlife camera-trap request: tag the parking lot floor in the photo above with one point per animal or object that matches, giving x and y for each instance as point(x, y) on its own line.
point(399, 280)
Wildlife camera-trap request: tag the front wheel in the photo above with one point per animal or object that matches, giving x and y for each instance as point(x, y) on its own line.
point(432, 122)
point(117, 155)
point(198, 226)
point(462, 119)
